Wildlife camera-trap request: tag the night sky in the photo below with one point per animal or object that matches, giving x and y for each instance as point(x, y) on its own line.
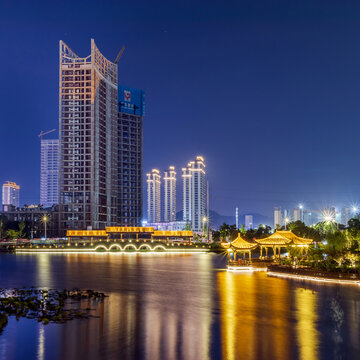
point(267, 91)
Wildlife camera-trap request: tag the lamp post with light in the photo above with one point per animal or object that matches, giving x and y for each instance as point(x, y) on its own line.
point(45, 219)
point(204, 225)
point(286, 220)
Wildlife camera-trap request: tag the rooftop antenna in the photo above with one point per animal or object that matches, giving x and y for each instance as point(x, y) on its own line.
point(237, 217)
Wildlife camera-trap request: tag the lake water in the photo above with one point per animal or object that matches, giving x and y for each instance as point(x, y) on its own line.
point(181, 307)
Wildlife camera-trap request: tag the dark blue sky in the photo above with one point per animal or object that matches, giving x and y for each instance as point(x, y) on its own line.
point(267, 91)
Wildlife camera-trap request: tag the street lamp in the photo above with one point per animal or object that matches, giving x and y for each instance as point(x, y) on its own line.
point(286, 221)
point(45, 219)
point(204, 224)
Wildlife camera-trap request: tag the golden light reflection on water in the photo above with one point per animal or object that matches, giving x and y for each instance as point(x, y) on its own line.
point(255, 313)
point(306, 315)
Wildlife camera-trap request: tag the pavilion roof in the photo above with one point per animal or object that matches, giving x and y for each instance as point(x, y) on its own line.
point(284, 238)
point(240, 244)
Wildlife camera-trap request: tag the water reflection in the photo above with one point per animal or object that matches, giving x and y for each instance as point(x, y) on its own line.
point(255, 313)
point(163, 312)
point(181, 307)
point(306, 315)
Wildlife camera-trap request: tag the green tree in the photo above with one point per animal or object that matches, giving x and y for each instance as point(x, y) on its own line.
point(215, 236)
point(224, 231)
point(336, 243)
point(233, 232)
point(2, 229)
point(21, 230)
point(242, 230)
point(12, 234)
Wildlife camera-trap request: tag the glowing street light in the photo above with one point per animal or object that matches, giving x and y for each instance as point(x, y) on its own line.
point(286, 220)
point(204, 219)
point(301, 206)
point(45, 219)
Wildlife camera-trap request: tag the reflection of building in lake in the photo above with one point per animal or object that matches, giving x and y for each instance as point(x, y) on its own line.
point(146, 320)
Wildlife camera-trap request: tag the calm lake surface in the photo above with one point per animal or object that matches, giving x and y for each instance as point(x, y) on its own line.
point(181, 307)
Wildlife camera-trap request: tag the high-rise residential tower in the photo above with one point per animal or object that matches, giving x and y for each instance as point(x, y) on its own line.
point(170, 195)
point(153, 196)
point(10, 195)
point(88, 113)
point(249, 222)
point(194, 193)
point(130, 155)
point(49, 172)
point(278, 220)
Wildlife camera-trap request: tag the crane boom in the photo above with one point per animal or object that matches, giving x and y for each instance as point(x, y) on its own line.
point(119, 54)
point(42, 133)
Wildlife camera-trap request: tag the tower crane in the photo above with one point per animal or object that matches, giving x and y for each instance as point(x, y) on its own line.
point(42, 133)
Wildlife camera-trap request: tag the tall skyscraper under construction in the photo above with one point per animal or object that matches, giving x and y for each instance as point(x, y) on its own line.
point(88, 146)
point(130, 155)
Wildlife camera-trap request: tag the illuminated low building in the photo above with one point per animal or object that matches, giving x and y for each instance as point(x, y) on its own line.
point(171, 225)
point(115, 233)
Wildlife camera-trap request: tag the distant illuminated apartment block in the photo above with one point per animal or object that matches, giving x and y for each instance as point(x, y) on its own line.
point(49, 172)
point(249, 222)
point(194, 193)
point(153, 196)
point(277, 217)
point(298, 214)
point(10, 195)
point(345, 215)
point(170, 195)
point(88, 146)
point(130, 156)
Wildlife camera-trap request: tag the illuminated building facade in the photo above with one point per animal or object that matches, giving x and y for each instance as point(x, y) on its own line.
point(49, 172)
point(154, 196)
point(170, 195)
point(130, 155)
point(10, 195)
point(88, 139)
point(194, 193)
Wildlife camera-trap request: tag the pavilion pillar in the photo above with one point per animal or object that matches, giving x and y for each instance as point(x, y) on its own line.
point(167, 241)
point(260, 252)
point(69, 241)
point(250, 256)
point(266, 252)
